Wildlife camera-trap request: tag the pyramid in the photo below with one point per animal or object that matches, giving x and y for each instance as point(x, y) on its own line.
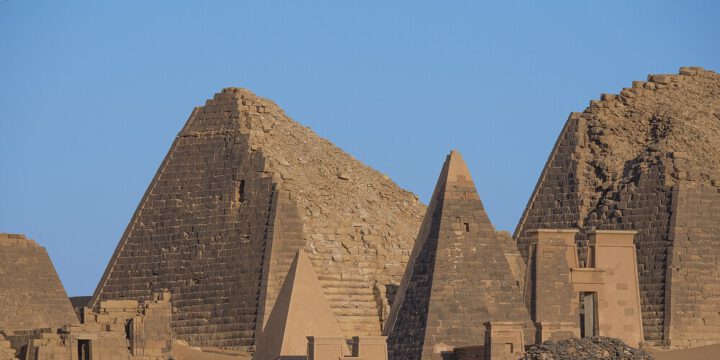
point(242, 188)
point(646, 159)
point(31, 294)
point(458, 276)
point(300, 310)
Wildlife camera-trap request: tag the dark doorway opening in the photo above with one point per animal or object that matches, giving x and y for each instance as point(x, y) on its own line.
point(588, 314)
point(84, 350)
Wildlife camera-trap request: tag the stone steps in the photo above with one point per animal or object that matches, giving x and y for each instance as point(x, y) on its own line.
point(353, 303)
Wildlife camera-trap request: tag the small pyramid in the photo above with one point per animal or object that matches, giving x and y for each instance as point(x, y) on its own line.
point(31, 293)
point(458, 276)
point(301, 310)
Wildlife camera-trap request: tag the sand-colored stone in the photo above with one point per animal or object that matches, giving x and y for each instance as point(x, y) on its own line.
point(31, 294)
point(646, 160)
point(458, 277)
point(300, 310)
point(242, 188)
point(122, 331)
point(709, 352)
point(504, 340)
point(619, 298)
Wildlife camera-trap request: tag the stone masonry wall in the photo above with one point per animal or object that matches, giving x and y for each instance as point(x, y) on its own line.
point(615, 165)
point(358, 226)
point(201, 231)
point(459, 271)
point(695, 265)
point(241, 189)
point(31, 294)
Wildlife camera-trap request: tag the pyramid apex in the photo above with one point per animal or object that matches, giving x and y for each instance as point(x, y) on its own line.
point(238, 90)
point(457, 169)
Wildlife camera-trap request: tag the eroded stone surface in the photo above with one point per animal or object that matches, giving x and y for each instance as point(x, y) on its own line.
point(647, 159)
point(31, 294)
point(242, 188)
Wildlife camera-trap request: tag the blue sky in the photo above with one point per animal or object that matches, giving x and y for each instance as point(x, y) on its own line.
point(92, 93)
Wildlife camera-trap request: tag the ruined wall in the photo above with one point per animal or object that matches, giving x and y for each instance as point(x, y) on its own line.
point(615, 165)
point(118, 330)
point(31, 294)
point(241, 189)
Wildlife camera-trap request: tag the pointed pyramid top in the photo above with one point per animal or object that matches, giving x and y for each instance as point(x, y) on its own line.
point(457, 169)
point(301, 310)
point(457, 271)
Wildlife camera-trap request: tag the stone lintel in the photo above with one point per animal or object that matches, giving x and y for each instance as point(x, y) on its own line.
point(552, 236)
point(612, 238)
point(592, 276)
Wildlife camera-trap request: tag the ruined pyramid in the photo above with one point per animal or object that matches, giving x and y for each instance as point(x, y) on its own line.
point(242, 188)
point(458, 277)
point(300, 310)
point(31, 295)
point(647, 159)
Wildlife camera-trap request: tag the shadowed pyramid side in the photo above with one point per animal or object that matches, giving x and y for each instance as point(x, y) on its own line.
point(300, 310)
point(458, 277)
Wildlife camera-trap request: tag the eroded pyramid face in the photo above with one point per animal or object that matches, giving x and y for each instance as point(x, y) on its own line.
point(31, 294)
point(647, 159)
point(242, 188)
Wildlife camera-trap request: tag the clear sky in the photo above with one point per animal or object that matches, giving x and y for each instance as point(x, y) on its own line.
point(92, 93)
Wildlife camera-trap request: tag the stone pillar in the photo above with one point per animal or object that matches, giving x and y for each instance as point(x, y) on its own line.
point(370, 347)
point(325, 348)
point(554, 302)
point(619, 312)
point(504, 340)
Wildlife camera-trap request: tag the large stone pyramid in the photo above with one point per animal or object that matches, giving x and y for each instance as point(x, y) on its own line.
point(647, 159)
point(31, 294)
point(458, 277)
point(242, 188)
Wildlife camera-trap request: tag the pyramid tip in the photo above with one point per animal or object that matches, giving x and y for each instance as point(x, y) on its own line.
point(457, 169)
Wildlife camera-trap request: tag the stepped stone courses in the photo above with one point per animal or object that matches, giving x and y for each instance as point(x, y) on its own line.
point(31, 289)
point(242, 188)
point(648, 160)
point(458, 277)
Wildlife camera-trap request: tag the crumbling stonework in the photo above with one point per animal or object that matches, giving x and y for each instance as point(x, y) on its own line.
point(119, 330)
point(583, 349)
point(648, 160)
point(31, 294)
point(242, 188)
point(6, 351)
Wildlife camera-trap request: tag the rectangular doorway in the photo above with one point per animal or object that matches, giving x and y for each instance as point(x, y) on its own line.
point(588, 314)
point(84, 350)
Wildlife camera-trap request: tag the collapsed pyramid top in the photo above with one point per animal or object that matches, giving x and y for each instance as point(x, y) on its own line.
point(646, 159)
point(458, 275)
point(300, 310)
point(242, 188)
